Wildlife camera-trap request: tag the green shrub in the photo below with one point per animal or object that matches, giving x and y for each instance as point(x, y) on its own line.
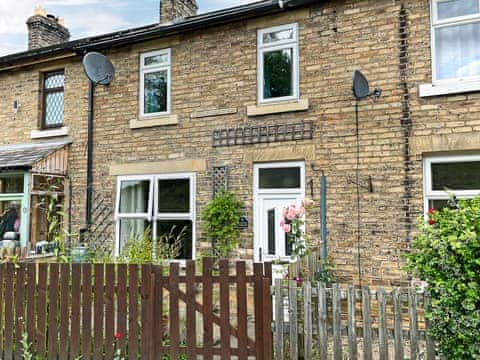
point(141, 249)
point(220, 220)
point(446, 254)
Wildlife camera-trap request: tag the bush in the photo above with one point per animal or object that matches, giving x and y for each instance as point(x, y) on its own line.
point(141, 249)
point(446, 254)
point(220, 220)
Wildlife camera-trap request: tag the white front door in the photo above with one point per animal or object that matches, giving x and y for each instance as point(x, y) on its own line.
point(276, 186)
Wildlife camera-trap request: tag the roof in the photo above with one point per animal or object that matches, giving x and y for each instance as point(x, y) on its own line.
point(154, 31)
point(25, 156)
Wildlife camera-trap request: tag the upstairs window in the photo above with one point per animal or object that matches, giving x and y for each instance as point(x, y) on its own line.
point(278, 64)
point(155, 73)
point(53, 99)
point(456, 39)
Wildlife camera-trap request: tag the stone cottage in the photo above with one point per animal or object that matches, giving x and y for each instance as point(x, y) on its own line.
point(256, 99)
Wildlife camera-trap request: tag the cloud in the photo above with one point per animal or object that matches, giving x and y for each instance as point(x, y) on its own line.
point(85, 17)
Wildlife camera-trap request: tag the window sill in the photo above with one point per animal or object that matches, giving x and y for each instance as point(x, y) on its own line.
point(276, 108)
point(41, 134)
point(453, 87)
point(158, 121)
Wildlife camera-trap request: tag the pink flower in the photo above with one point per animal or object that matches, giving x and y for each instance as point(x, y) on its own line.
point(298, 280)
point(282, 222)
point(117, 336)
point(307, 202)
point(291, 213)
point(300, 211)
point(287, 228)
point(285, 212)
point(431, 222)
point(431, 211)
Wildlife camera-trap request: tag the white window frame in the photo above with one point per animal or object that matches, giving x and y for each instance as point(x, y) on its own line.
point(272, 194)
point(278, 45)
point(430, 194)
point(146, 69)
point(436, 24)
point(153, 215)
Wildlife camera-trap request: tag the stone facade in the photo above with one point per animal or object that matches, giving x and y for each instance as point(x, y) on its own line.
point(214, 79)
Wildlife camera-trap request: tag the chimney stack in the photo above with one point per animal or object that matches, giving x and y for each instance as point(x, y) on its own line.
point(171, 10)
point(45, 30)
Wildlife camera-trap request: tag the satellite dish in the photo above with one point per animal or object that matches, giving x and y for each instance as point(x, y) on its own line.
point(360, 85)
point(98, 68)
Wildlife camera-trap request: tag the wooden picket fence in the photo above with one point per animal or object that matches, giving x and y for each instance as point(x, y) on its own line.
point(72, 310)
point(315, 322)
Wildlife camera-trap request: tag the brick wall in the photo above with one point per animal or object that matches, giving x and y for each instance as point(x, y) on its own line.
point(216, 69)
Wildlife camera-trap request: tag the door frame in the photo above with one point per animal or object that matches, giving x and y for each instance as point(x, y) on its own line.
point(258, 193)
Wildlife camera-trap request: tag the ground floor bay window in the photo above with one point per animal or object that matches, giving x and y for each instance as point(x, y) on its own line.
point(156, 206)
point(447, 176)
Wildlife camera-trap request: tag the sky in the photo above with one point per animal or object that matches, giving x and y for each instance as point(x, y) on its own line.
point(85, 17)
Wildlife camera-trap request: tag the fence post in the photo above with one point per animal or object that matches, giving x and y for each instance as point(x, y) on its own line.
point(258, 303)
point(278, 319)
point(307, 321)
point(292, 304)
point(337, 323)
point(367, 324)
point(382, 324)
point(322, 321)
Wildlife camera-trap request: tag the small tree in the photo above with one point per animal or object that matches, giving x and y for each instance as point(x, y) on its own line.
point(220, 220)
point(446, 255)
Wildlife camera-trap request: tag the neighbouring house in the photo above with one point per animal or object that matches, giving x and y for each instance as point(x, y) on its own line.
point(256, 99)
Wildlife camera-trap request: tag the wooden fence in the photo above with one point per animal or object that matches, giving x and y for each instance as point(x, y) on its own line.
point(74, 310)
point(314, 322)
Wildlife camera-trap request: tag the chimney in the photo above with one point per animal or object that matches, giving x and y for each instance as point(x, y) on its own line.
point(45, 30)
point(171, 10)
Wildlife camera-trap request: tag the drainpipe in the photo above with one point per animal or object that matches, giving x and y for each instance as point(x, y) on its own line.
point(88, 206)
point(323, 215)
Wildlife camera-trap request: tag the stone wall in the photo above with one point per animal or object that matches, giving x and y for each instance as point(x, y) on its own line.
point(215, 69)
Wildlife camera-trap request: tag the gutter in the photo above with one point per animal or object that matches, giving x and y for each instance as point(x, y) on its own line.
point(156, 31)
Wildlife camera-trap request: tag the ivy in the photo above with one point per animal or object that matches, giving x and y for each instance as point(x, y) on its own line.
point(446, 255)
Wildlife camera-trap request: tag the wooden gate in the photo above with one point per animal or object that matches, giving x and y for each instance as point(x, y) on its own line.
point(66, 311)
point(214, 311)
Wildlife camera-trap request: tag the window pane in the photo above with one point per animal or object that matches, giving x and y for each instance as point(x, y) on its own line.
point(54, 108)
point(11, 184)
point(272, 226)
point(279, 178)
point(10, 219)
point(178, 233)
point(277, 73)
point(454, 8)
point(54, 81)
point(457, 51)
point(156, 59)
point(155, 92)
point(174, 196)
point(134, 196)
point(133, 229)
point(275, 36)
point(438, 204)
point(456, 176)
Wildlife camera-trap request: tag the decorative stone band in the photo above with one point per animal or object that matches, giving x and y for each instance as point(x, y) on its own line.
point(159, 167)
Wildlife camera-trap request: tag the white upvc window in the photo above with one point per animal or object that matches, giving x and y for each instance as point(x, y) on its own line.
point(445, 176)
point(278, 64)
point(155, 83)
point(455, 40)
point(156, 205)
